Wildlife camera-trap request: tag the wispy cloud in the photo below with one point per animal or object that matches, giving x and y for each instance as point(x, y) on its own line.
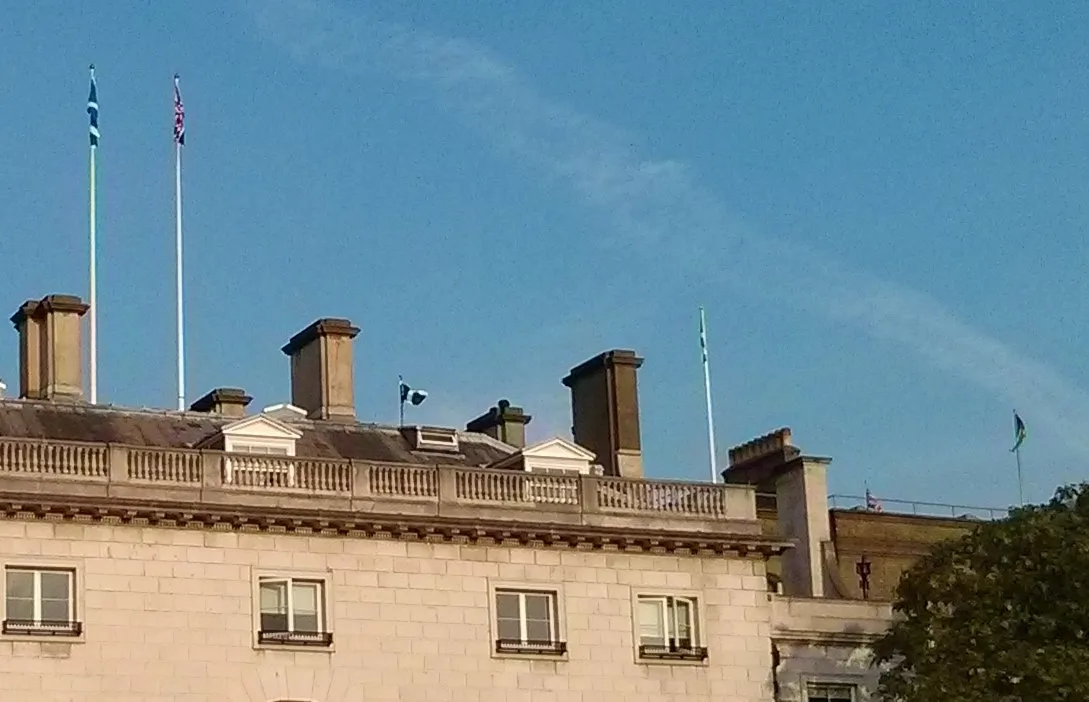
point(660, 204)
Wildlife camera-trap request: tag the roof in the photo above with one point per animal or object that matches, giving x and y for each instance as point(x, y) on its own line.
point(31, 419)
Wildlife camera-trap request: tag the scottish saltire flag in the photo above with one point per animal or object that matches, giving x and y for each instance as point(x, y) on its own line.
point(1019, 432)
point(413, 395)
point(92, 109)
point(179, 115)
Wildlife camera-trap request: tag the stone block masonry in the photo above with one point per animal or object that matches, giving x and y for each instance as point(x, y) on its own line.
point(170, 615)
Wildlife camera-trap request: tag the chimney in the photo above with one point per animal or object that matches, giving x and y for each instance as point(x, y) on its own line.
point(321, 369)
point(775, 466)
point(605, 411)
point(228, 402)
point(50, 348)
point(503, 422)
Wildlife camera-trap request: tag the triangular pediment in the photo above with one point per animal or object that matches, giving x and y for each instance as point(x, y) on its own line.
point(558, 448)
point(261, 426)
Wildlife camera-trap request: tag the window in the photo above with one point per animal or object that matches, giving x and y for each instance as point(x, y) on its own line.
point(821, 692)
point(669, 628)
point(293, 612)
point(526, 622)
point(40, 601)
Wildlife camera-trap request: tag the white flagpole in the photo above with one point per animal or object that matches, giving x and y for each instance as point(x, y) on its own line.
point(707, 390)
point(94, 288)
point(178, 244)
point(93, 274)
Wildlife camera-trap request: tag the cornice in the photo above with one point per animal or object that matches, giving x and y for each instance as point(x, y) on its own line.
point(279, 520)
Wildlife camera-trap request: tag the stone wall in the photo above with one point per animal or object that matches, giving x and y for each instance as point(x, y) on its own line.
point(169, 616)
point(826, 641)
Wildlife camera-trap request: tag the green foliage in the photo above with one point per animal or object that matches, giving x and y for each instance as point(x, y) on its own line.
point(1001, 615)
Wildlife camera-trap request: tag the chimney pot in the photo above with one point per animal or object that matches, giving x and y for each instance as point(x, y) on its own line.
point(321, 369)
point(605, 410)
point(229, 402)
point(503, 422)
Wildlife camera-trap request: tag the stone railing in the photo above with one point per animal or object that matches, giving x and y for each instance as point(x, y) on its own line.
point(297, 482)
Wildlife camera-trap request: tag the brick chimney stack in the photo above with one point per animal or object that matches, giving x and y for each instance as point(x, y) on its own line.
point(605, 410)
point(51, 348)
point(322, 380)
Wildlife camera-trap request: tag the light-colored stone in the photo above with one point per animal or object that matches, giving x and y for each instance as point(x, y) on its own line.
point(169, 615)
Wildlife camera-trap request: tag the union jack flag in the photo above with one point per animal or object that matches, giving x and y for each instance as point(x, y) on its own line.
point(179, 115)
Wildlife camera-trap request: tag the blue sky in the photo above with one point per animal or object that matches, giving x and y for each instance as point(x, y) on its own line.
point(882, 208)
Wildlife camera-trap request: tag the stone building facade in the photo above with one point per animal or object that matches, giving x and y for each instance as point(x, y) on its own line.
point(297, 555)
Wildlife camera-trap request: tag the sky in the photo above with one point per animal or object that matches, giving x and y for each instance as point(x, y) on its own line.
point(881, 207)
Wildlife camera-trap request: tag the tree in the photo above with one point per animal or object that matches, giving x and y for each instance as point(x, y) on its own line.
point(1000, 615)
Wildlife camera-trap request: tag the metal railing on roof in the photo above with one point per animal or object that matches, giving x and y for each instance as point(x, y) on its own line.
point(923, 509)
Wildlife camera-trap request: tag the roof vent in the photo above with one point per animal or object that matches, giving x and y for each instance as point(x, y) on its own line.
point(432, 438)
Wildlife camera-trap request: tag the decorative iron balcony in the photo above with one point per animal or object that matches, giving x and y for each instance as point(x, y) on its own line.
point(30, 627)
point(673, 652)
point(295, 638)
point(544, 648)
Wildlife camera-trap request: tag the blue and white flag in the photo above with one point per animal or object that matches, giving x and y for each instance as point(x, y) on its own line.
point(92, 109)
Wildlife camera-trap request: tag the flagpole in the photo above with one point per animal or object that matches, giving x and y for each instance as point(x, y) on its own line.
point(1020, 482)
point(93, 250)
point(94, 283)
point(178, 244)
point(707, 392)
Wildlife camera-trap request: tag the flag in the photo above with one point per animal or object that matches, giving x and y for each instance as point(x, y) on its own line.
point(412, 395)
point(179, 114)
point(703, 337)
point(872, 503)
point(1019, 432)
point(92, 109)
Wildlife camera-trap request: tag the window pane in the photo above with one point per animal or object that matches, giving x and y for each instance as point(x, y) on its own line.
point(274, 597)
point(55, 585)
point(537, 630)
point(307, 622)
point(831, 693)
point(683, 622)
point(651, 622)
point(506, 605)
point(20, 583)
point(538, 606)
point(54, 610)
point(305, 598)
point(510, 629)
point(273, 621)
point(21, 608)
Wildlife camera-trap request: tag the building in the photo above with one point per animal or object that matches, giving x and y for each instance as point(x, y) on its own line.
point(298, 555)
point(833, 590)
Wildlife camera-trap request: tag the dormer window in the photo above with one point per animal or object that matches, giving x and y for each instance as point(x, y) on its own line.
point(258, 451)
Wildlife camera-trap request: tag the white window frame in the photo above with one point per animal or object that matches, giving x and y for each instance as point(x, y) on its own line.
point(36, 628)
point(523, 620)
point(323, 580)
point(558, 628)
point(668, 613)
point(851, 687)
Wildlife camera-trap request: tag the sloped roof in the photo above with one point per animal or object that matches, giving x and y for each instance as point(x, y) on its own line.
point(31, 419)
